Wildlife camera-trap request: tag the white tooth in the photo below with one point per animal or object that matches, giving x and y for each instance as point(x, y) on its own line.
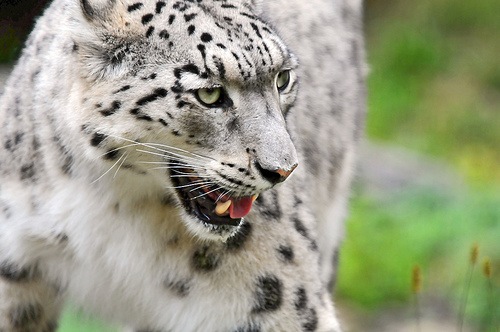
point(222, 207)
point(254, 197)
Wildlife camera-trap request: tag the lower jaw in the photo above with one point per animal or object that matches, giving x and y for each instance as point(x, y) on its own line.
point(214, 219)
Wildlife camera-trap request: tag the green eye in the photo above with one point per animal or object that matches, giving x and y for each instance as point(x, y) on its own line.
point(210, 96)
point(282, 80)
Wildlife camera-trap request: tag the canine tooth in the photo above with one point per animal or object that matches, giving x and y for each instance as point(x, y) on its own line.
point(222, 207)
point(254, 197)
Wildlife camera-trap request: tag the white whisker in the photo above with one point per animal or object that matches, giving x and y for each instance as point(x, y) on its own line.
point(164, 147)
point(172, 165)
point(188, 175)
point(208, 192)
point(192, 160)
point(119, 166)
point(202, 186)
point(108, 170)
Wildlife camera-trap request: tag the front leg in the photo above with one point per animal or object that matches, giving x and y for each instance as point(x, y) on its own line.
point(27, 303)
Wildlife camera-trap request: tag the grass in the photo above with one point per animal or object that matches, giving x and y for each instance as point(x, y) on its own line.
point(387, 239)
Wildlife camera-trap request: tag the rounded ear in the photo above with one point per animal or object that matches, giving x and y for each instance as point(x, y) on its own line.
point(96, 9)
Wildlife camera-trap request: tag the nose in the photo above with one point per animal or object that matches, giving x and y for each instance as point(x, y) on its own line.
point(276, 175)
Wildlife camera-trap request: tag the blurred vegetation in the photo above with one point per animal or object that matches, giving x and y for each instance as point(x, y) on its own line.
point(434, 88)
point(435, 80)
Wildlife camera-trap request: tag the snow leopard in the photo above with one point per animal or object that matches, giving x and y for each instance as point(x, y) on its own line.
point(180, 165)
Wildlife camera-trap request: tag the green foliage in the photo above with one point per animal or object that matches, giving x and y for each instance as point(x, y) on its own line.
point(75, 322)
point(435, 81)
point(386, 239)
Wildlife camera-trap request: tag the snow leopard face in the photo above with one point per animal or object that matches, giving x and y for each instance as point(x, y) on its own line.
point(193, 94)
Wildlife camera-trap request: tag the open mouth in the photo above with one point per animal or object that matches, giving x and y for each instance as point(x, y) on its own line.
point(207, 201)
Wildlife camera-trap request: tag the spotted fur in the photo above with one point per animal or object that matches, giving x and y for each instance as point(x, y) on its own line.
point(105, 135)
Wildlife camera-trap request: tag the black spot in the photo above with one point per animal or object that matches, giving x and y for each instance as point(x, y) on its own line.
point(268, 205)
point(26, 316)
point(311, 321)
point(189, 17)
point(237, 241)
point(227, 6)
point(177, 88)
point(8, 145)
point(18, 138)
point(163, 122)
point(286, 253)
point(248, 328)
point(176, 132)
point(111, 154)
point(171, 19)
point(27, 171)
point(302, 230)
point(150, 77)
point(268, 295)
point(150, 31)
point(97, 139)
point(233, 124)
point(221, 46)
point(249, 16)
point(140, 115)
point(181, 104)
point(62, 238)
point(122, 89)
point(256, 29)
point(191, 29)
point(297, 201)
point(179, 288)
point(147, 18)
point(181, 6)
point(157, 93)
point(299, 227)
point(14, 273)
point(135, 6)
point(202, 50)
point(164, 34)
point(301, 299)
point(189, 68)
point(115, 106)
point(206, 37)
point(161, 92)
point(159, 6)
point(205, 260)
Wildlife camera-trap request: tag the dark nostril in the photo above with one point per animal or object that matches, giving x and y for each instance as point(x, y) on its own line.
point(276, 176)
point(270, 176)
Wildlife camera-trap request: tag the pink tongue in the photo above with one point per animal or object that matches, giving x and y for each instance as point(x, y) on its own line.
point(240, 207)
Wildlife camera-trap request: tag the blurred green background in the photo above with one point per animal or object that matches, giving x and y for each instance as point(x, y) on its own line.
point(434, 103)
